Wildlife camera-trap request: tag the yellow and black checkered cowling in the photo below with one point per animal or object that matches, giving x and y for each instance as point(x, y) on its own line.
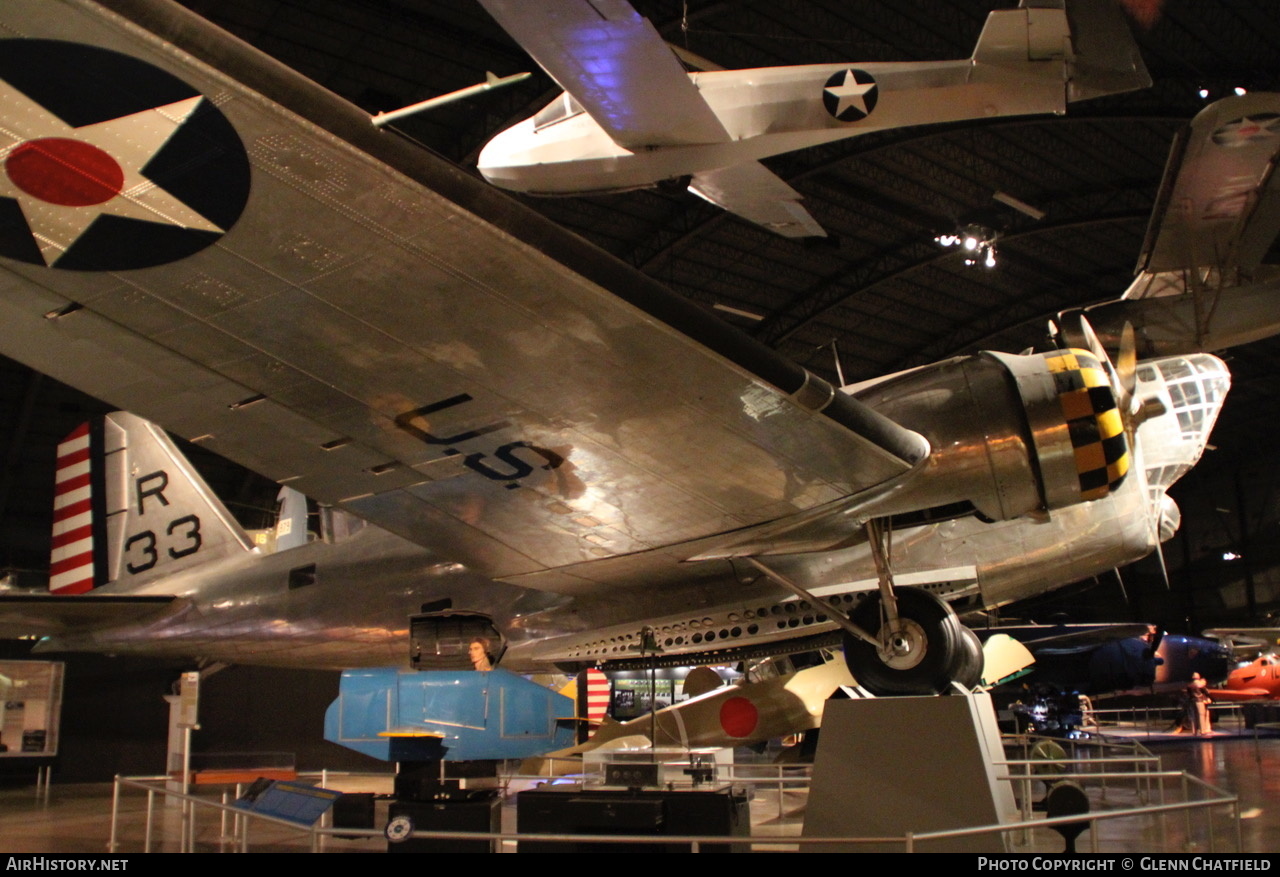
point(1093, 420)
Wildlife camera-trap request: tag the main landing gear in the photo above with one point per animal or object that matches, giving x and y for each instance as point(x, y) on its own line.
point(901, 640)
point(920, 652)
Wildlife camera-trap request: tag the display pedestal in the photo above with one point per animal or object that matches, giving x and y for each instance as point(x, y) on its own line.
point(478, 815)
point(891, 765)
point(650, 812)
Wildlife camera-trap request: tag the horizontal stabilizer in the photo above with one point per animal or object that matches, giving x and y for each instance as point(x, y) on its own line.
point(47, 615)
point(1234, 695)
point(758, 195)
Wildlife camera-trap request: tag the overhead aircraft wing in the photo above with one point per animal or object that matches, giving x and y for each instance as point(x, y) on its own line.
point(1065, 637)
point(1246, 640)
point(193, 232)
point(1218, 209)
point(758, 195)
point(616, 66)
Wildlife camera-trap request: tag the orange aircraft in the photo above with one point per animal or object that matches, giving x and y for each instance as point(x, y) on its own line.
point(1258, 680)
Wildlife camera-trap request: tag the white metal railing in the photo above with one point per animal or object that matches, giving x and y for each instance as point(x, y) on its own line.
point(1089, 754)
point(1147, 718)
point(235, 824)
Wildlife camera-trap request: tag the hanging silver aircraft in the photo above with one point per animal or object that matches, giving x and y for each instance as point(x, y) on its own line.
point(1201, 282)
point(171, 572)
point(631, 117)
point(565, 451)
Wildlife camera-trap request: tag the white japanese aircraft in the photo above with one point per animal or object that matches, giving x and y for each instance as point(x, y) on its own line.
point(631, 117)
point(553, 449)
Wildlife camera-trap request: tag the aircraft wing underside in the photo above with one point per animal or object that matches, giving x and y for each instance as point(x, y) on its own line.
point(251, 264)
point(756, 193)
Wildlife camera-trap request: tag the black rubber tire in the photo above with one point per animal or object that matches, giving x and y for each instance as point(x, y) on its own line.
point(969, 660)
point(944, 651)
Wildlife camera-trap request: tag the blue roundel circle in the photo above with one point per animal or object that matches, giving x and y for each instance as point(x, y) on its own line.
point(119, 165)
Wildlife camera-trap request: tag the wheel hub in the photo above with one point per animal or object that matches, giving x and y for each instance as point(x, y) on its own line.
point(903, 644)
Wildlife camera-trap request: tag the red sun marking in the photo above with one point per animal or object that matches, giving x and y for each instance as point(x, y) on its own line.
point(739, 717)
point(65, 172)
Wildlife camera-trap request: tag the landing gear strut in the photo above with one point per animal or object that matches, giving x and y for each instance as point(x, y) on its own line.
point(900, 641)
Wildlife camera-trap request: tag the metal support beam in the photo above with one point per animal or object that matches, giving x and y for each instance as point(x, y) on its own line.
point(833, 613)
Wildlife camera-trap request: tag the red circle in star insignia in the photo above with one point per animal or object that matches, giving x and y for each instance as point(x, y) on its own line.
point(739, 717)
point(66, 172)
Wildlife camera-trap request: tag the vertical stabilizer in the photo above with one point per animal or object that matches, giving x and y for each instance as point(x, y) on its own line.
point(1107, 59)
point(1091, 36)
point(1029, 34)
point(129, 508)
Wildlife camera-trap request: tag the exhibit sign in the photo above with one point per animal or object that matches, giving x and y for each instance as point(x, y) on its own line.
point(32, 696)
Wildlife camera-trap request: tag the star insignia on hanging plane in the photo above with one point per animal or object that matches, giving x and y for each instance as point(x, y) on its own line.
point(1248, 129)
point(850, 95)
point(109, 180)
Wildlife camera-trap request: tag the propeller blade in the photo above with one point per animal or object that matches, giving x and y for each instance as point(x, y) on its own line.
point(1164, 569)
point(1095, 346)
point(1119, 578)
point(1127, 364)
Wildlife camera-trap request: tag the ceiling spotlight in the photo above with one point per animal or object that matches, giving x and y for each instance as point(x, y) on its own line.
point(1240, 92)
point(978, 243)
point(1204, 93)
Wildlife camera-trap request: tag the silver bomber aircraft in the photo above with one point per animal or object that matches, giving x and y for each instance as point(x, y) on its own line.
point(631, 117)
point(549, 448)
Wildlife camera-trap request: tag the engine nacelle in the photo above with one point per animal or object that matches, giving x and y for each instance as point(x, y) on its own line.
point(1010, 434)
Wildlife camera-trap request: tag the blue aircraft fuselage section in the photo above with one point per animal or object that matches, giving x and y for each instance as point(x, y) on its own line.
point(405, 715)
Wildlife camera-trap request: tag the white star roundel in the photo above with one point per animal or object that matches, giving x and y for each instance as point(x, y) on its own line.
point(1248, 129)
point(109, 163)
point(850, 95)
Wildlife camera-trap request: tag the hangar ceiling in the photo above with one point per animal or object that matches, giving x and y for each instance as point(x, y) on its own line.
point(880, 288)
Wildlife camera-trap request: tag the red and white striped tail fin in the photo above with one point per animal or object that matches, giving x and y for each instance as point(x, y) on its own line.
point(129, 509)
point(596, 695)
point(72, 568)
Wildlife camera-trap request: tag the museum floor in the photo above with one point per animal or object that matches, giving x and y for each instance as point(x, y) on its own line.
point(77, 817)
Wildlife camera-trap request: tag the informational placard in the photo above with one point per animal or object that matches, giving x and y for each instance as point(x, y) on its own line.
point(296, 802)
point(631, 696)
point(189, 700)
point(31, 692)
